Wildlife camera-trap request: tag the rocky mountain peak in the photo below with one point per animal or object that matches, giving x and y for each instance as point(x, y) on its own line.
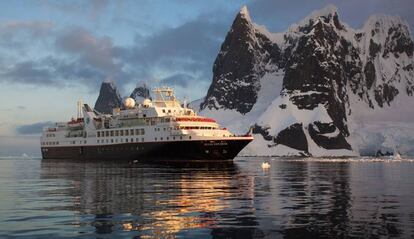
point(387, 34)
point(244, 13)
point(235, 75)
point(327, 15)
point(140, 92)
point(108, 98)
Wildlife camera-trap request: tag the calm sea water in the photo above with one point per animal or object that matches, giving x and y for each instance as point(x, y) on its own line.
point(295, 198)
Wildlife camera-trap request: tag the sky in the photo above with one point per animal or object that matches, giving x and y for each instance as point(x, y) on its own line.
point(53, 53)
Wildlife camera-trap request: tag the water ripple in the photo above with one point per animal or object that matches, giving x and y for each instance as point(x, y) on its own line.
point(295, 197)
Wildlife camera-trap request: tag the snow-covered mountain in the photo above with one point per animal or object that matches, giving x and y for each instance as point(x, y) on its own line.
point(320, 88)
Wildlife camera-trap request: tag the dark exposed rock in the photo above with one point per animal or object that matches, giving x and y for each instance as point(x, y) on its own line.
point(108, 98)
point(385, 94)
point(317, 131)
point(369, 72)
point(398, 41)
point(262, 131)
point(380, 153)
point(140, 92)
point(293, 137)
point(374, 48)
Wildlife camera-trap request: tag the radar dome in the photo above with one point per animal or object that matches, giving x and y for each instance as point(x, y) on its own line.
point(147, 103)
point(129, 103)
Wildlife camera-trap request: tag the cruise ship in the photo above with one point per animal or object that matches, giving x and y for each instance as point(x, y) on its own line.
point(158, 129)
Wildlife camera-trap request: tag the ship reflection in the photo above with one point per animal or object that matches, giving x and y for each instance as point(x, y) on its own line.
point(152, 200)
point(293, 199)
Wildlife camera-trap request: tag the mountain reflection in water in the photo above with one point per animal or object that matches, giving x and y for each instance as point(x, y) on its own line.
point(293, 199)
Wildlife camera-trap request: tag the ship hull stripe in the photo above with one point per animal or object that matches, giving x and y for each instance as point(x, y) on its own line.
point(176, 150)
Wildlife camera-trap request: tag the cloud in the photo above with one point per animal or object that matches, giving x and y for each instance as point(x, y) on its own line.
point(191, 47)
point(35, 128)
point(92, 9)
point(94, 51)
point(16, 34)
point(35, 28)
point(28, 72)
point(180, 79)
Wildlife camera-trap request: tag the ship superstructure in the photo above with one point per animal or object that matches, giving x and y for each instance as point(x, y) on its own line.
point(161, 128)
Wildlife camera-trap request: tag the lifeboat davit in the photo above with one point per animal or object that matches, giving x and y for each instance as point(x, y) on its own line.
point(76, 124)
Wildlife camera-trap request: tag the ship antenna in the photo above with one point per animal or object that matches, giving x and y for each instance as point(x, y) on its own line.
point(80, 114)
point(185, 102)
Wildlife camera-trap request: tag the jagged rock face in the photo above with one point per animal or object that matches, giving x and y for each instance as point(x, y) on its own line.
point(140, 92)
point(239, 66)
point(108, 98)
point(318, 70)
point(325, 65)
point(387, 52)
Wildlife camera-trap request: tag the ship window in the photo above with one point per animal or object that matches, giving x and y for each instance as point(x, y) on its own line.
point(144, 115)
point(116, 133)
point(132, 140)
point(161, 138)
point(136, 131)
point(85, 141)
point(169, 111)
point(106, 133)
point(126, 132)
point(142, 131)
point(136, 140)
point(112, 140)
point(122, 140)
point(107, 140)
point(164, 129)
point(121, 132)
point(155, 138)
point(132, 132)
point(189, 137)
point(99, 134)
point(126, 140)
point(116, 140)
point(168, 138)
point(163, 110)
point(181, 137)
point(173, 138)
point(112, 133)
point(98, 141)
point(167, 120)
